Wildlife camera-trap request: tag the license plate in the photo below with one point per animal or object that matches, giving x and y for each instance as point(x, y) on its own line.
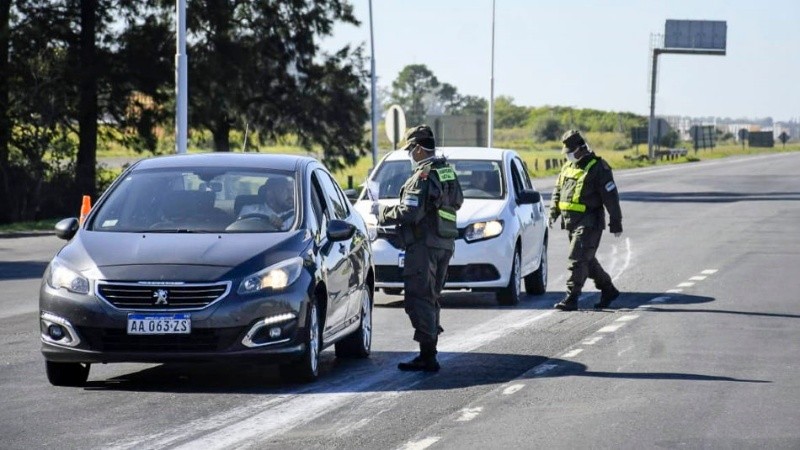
point(401, 259)
point(159, 324)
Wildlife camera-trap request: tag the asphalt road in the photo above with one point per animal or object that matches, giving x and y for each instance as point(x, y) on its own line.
point(701, 350)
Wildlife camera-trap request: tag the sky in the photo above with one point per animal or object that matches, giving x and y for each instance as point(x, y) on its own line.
point(591, 54)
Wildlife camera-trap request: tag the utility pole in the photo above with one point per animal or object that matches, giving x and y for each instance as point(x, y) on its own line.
point(373, 92)
point(490, 125)
point(181, 80)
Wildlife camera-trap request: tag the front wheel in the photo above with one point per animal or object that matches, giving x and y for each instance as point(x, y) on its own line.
point(67, 374)
point(359, 343)
point(536, 282)
point(510, 295)
point(307, 368)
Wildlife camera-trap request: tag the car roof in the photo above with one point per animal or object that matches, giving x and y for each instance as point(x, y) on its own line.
point(257, 160)
point(477, 153)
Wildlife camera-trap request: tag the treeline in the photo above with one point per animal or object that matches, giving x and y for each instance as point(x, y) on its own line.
point(73, 71)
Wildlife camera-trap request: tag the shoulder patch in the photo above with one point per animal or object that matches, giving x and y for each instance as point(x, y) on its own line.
point(445, 174)
point(610, 186)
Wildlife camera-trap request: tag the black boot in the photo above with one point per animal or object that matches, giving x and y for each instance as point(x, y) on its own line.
point(606, 297)
point(425, 362)
point(570, 303)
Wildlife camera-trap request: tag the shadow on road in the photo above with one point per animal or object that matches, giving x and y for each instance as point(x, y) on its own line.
point(21, 270)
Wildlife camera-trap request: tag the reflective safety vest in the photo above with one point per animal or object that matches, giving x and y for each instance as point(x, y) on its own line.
point(572, 172)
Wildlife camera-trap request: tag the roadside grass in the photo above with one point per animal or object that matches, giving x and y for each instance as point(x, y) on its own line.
point(39, 225)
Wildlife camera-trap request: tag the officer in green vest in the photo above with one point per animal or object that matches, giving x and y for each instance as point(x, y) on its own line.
point(585, 185)
point(426, 221)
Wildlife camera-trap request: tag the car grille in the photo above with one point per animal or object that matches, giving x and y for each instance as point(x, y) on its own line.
point(199, 340)
point(161, 297)
point(455, 274)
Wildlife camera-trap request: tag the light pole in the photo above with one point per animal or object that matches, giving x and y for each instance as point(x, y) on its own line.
point(181, 79)
point(490, 125)
point(373, 92)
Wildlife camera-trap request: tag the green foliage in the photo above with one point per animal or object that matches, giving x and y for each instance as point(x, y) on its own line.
point(413, 84)
point(547, 129)
point(507, 114)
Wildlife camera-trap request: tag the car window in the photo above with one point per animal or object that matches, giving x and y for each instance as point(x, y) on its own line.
point(338, 208)
point(319, 205)
point(479, 178)
point(390, 176)
point(198, 200)
point(524, 179)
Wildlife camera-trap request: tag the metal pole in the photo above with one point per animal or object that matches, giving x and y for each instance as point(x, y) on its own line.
point(181, 80)
point(650, 152)
point(373, 92)
point(490, 125)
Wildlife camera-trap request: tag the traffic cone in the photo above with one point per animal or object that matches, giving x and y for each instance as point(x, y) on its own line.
point(86, 206)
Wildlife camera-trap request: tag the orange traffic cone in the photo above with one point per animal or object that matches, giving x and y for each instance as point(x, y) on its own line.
point(86, 206)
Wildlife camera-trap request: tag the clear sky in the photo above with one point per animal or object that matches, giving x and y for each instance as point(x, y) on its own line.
point(592, 54)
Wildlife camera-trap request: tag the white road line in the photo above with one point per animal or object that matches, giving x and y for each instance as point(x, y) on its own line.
point(673, 291)
point(512, 389)
point(468, 414)
point(262, 420)
point(627, 318)
point(421, 445)
point(572, 353)
point(592, 341)
point(709, 271)
point(685, 284)
point(611, 328)
point(543, 368)
point(698, 278)
point(659, 299)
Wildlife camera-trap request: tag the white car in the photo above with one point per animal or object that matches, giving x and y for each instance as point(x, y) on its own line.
point(502, 224)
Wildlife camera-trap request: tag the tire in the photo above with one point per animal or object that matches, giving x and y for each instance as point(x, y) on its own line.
point(306, 369)
point(536, 282)
point(509, 295)
point(67, 374)
point(393, 291)
point(359, 343)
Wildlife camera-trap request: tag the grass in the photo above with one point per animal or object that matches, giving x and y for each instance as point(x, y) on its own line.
point(39, 225)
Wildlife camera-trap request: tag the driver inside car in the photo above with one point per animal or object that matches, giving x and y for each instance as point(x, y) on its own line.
point(277, 206)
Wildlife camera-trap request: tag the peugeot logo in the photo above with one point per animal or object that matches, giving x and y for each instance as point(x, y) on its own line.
point(161, 297)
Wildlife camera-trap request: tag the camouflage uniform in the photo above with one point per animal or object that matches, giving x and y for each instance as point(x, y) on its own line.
point(426, 222)
point(583, 189)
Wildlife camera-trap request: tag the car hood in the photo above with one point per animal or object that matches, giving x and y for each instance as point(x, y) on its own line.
point(473, 210)
point(190, 256)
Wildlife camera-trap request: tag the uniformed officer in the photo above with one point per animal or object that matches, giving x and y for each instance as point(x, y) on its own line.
point(426, 221)
point(585, 185)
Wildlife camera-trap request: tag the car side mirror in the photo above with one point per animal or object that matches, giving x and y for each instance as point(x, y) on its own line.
point(340, 230)
point(351, 194)
point(66, 229)
point(529, 197)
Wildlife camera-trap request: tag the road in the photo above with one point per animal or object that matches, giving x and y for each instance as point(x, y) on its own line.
point(701, 350)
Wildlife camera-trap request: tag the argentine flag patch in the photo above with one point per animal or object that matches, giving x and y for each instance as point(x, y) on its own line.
point(411, 200)
point(610, 186)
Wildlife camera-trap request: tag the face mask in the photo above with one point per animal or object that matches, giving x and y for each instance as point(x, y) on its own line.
point(571, 157)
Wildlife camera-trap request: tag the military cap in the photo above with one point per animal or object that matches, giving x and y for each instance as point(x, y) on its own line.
point(420, 135)
point(572, 141)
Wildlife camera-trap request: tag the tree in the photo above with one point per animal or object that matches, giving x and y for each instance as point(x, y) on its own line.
point(547, 129)
point(472, 105)
point(258, 62)
point(507, 114)
point(409, 90)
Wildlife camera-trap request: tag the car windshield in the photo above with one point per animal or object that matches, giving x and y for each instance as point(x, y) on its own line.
point(478, 178)
point(200, 200)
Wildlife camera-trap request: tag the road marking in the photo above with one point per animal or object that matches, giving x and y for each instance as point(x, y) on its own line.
point(512, 389)
point(592, 341)
point(659, 299)
point(543, 368)
point(674, 291)
point(698, 278)
point(421, 445)
point(468, 414)
point(627, 318)
point(709, 271)
point(572, 353)
point(610, 328)
point(686, 284)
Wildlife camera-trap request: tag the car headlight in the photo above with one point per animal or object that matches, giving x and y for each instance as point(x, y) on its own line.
point(483, 230)
point(62, 277)
point(275, 277)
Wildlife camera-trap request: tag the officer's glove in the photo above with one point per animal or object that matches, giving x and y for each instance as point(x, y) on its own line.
point(551, 221)
point(375, 209)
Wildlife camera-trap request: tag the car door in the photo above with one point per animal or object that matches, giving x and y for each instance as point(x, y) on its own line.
point(526, 216)
point(335, 264)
